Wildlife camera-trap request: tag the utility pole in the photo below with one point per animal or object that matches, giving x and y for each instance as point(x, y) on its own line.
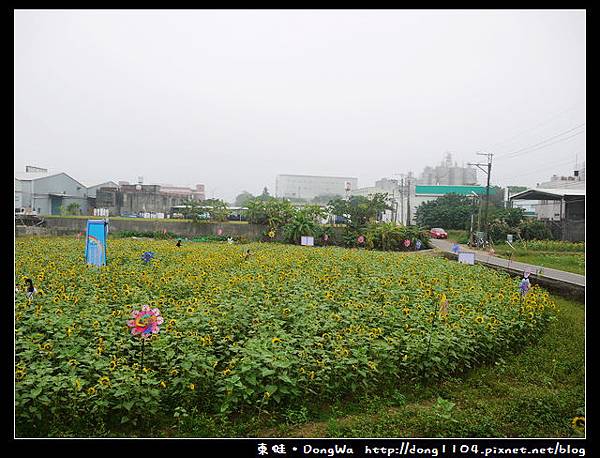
point(488, 172)
point(408, 201)
point(401, 190)
point(401, 199)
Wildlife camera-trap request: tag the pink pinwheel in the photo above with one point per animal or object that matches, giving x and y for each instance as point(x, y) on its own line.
point(361, 239)
point(145, 322)
point(407, 243)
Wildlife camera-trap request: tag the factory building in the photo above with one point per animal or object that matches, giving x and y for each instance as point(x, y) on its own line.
point(310, 186)
point(448, 173)
point(46, 193)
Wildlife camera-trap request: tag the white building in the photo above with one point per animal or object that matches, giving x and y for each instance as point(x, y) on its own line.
point(311, 186)
point(46, 193)
point(399, 194)
point(553, 209)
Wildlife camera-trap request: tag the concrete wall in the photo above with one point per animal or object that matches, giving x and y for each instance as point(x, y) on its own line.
point(128, 200)
point(253, 232)
point(183, 228)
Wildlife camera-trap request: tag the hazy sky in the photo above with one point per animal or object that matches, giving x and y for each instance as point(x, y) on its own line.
point(230, 99)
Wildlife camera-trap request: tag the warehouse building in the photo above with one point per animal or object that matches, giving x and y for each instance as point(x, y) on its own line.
point(567, 219)
point(48, 193)
point(132, 200)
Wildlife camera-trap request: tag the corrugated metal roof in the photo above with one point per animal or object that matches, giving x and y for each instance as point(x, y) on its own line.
point(548, 194)
point(27, 176)
point(103, 184)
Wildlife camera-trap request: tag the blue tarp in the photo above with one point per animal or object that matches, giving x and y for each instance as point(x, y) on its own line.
point(95, 244)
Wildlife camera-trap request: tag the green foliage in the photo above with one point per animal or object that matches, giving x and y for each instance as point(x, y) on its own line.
point(532, 229)
point(451, 211)
point(242, 198)
point(443, 409)
point(265, 195)
point(325, 198)
point(210, 238)
point(216, 209)
point(552, 245)
point(511, 216)
point(300, 226)
point(191, 210)
point(70, 210)
point(360, 210)
point(498, 230)
point(149, 234)
point(305, 222)
point(271, 212)
point(391, 237)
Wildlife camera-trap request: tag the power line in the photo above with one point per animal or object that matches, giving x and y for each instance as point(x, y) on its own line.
point(549, 144)
point(528, 148)
point(547, 167)
point(534, 127)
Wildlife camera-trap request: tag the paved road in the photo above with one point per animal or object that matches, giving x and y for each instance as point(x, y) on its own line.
point(484, 257)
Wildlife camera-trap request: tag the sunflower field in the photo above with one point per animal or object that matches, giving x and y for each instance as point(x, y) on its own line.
point(283, 325)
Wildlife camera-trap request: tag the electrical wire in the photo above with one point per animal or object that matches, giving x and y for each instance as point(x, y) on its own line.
point(534, 127)
point(529, 149)
point(546, 167)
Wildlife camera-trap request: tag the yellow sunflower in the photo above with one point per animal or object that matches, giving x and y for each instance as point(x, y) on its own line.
point(578, 423)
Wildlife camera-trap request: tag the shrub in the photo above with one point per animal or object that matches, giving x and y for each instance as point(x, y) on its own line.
point(391, 237)
point(534, 230)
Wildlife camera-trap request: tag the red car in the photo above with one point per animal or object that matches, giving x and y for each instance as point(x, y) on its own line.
point(438, 233)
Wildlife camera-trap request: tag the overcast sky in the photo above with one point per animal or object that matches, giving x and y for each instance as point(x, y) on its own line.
point(230, 99)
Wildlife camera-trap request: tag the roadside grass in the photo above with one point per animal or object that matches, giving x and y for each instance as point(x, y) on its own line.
point(458, 236)
point(161, 220)
point(568, 262)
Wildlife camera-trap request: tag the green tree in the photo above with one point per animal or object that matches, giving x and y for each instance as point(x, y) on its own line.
point(451, 211)
point(510, 216)
point(265, 196)
point(534, 230)
point(73, 209)
point(191, 210)
point(216, 208)
point(242, 198)
point(272, 212)
point(325, 198)
point(391, 237)
point(300, 225)
point(512, 190)
point(360, 210)
point(313, 212)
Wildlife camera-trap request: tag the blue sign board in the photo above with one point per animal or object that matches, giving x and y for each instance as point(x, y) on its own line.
point(95, 244)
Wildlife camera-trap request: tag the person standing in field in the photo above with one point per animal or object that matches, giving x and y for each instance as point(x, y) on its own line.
point(30, 290)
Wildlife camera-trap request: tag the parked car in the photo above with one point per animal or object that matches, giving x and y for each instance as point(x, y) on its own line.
point(438, 233)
